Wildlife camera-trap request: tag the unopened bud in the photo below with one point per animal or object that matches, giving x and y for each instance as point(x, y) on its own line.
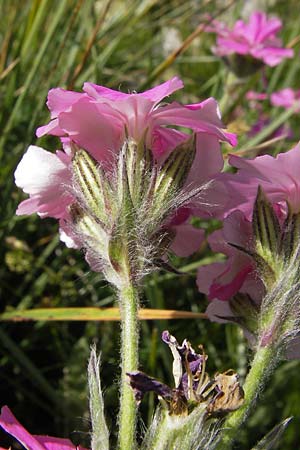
point(92, 184)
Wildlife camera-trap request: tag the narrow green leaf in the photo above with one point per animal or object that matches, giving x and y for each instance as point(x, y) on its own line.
point(92, 314)
point(272, 439)
point(100, 434)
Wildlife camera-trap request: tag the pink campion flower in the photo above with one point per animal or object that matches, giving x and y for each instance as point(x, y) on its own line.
point(32, 442)
point(278, 176)
point(99, 120)
point(287, 98)
point(256, 38)
point(102, 115)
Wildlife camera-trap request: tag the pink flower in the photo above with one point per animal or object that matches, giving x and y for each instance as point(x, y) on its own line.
point(99, 120)
point(278, 176)
point(279, 179)
point(287, 98)
point(282, 132)
point(222, 280)
point(253, 95)
point(256, 38)
point(32, 442)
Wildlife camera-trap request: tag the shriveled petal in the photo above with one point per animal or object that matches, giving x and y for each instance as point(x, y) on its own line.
point(142, 383)
point(45, 177)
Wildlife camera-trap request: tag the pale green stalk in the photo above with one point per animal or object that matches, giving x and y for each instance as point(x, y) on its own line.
point(128, 300)
point(262, 366)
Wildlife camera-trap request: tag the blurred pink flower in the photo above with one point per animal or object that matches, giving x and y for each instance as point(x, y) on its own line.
point(257, 38)
point(287, 98)
point(99, 120)
point(32, 442)
point(282, 132)
point(253, 95)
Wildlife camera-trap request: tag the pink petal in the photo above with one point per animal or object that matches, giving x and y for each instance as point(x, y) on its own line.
point(263, 28)
point(217, 311)
point(287, 98)
point(164, 140)
point(155, 94)
point(161, 91)
point(103, 93)
point(53, 443)
point(60, 100)
point(277, 176)
point(32, 442)
point(67, 234)
point(44, 176)
point(208, 160)
point(272, 56)
point(10, 424)
point(206, 274)
point(51, 128)
point(202, 117)
point(224, 289)
point(188, 240)
point(96, 128)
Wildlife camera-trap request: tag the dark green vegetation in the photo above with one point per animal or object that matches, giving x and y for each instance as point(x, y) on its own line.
point(44, 44)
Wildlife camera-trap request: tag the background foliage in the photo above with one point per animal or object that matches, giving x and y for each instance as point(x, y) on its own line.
point(124, 45)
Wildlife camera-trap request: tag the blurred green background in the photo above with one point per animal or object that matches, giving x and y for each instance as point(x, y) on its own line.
point(123, 45)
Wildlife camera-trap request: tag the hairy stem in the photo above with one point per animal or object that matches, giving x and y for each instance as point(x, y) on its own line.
point(129, 299)
point(262, 366)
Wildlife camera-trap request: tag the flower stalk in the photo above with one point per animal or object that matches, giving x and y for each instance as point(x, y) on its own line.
point(262, 367)
point(128, 300)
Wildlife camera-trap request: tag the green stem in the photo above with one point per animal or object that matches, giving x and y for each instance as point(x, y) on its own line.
point(129, 300)
point(262, 366)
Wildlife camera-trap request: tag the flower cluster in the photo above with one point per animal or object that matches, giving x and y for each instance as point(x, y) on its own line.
point(104, 133)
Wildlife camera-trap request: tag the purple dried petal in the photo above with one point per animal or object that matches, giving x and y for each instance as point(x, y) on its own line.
point(167, 338)
point(188, 352)
point(141, 383)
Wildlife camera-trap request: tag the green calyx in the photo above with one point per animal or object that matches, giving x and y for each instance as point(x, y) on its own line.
point(119, 214)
